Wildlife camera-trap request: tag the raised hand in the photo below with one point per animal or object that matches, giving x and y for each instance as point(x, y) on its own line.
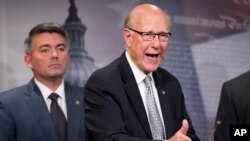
point(181, 134)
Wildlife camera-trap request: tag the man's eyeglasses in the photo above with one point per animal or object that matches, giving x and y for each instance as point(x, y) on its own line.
point(149, 36)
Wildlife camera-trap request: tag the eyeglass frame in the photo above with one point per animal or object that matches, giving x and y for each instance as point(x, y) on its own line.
point(152, 35)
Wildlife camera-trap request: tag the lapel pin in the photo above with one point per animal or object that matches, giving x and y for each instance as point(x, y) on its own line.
point(77, 102)
point(163, 92)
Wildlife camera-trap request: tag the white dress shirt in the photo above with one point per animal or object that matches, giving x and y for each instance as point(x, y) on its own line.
point(139, 77)
point(46, 93)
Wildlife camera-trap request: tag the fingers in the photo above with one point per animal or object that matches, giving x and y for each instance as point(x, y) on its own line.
point(184, 127)
point(181, 135)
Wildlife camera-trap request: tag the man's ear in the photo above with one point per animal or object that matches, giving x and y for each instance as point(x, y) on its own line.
point(28, 60)
point(127, 37)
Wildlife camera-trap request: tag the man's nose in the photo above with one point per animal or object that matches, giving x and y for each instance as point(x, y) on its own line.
point(156, 41)
point(54, 53)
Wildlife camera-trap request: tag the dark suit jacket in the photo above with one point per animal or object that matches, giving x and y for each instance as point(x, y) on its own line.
point(234, 106)
point(24, 115)
point(114, 107)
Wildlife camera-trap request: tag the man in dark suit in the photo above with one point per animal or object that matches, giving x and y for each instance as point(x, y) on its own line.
point(234, 106)
point(27, 112)
point(117, 107)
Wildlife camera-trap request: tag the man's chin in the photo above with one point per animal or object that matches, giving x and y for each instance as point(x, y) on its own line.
point(152, 68)
point(56, 75)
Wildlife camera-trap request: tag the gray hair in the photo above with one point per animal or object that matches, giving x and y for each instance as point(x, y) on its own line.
point(41, 28)
point(127, 21)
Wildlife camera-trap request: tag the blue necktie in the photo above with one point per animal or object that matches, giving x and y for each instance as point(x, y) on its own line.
point(58, 118)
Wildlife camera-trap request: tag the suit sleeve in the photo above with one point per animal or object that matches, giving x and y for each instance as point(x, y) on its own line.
point(226, 115)
point(104, 118)
point(7, 132)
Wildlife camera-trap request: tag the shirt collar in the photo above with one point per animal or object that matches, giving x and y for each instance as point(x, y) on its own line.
point(46, 91)
point(139, 75)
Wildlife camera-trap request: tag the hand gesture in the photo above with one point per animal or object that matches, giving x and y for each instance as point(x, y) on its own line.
point(181, 134)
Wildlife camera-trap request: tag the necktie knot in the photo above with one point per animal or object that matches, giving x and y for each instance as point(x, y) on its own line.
point(147, 81)
point(53, 97)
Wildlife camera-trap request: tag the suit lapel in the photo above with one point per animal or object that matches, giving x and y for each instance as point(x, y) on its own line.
point(165, 102)
point(248, 79)
point(74, 100)
point(38, 106)
point(133, 93)
point(135, 98)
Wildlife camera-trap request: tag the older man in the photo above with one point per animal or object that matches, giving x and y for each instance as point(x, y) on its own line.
point(133, 99)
